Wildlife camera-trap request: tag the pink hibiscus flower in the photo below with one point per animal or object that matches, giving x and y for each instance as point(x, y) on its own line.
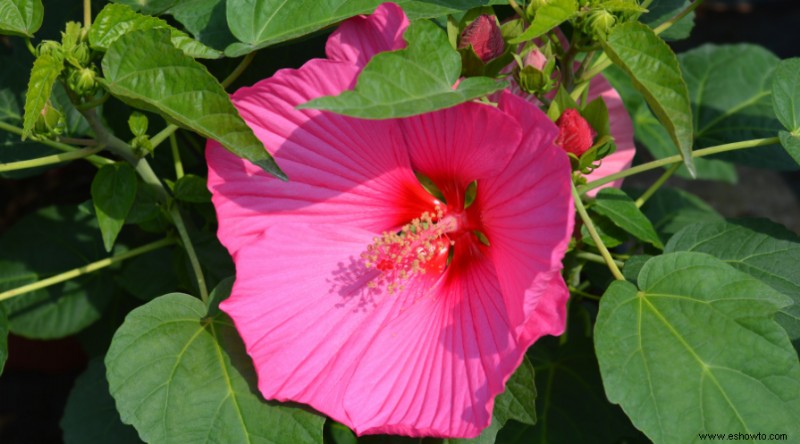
point(357, 291)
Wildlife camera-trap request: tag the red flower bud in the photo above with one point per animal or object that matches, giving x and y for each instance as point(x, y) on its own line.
point(575, 134)
point(485, 37)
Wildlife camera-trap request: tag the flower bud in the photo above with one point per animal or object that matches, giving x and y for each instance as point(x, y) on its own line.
point(484, 36)
point(80, 54)
point(600, 23)
point(50, 121)
point(49, 47)
point(83, 81)
point(536, 73)
point(575, 135)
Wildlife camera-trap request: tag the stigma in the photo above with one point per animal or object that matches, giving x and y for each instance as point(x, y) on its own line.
point(420, 247)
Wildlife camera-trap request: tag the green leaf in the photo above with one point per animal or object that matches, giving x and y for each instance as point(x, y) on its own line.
point(90, 415)
point(417, 9)
point(181, 90)
point(21, 17)
point(3, 338)
point(571, 404)
point(610, 233)
point(764, 250)
point(786, 93)
point(649, 131)
point(617, 206)
point(671, 209)
point(191, 188)
point(339, 433)
point(518, 402)
point(695, 350)
point(730, 88)
point(113, 193)
point(205, 19)
point(115, 21)
point(663, 10)
point(197, 386)
point(149, 275)
point(262, 23)
point(547, 17)
point(37, 247)
point(44, 74)
point(654, 71)
point(791, 144)
point(430, 67)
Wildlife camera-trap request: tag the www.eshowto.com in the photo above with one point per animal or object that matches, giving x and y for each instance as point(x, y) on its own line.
point(743, 436)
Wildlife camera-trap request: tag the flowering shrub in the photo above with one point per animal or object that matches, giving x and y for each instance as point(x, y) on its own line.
point(423, 233)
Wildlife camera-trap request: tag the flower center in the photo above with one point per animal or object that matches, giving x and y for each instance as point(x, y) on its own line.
point(420, 247)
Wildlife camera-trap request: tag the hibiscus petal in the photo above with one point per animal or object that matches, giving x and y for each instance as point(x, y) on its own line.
point(621, 129)
point(341, 169)
point(436, 369)
point(458, 145)
point(527, 215)
point(306, 314)
point(360, 38)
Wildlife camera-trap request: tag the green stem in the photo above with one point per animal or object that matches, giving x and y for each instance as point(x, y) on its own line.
point(187, 244)
point(50, 160)
point(30, 47)
point(596, 258)
point(677, 158)
point(612, 265)
point(89, 268)
point(87, 13)
point(657, 184)
point(238, 70)
point(75, 141)
point(97, 161)
point(583, 294)
point(515, 6)
point(666, 25)
point(176, 156)
point(147, 174)
point(163, 135)
point(94, 103)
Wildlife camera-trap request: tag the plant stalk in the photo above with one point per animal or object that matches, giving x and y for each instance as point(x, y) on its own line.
point(50, 160)
point(610, 262)
point(657, 184)
point(147, 174)
point(86, 269)
point(677, 158)
point(97, 161)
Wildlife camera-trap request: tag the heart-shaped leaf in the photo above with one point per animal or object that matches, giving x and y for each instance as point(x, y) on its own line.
point(429, 66)
point(695, 350)
point(179, 375)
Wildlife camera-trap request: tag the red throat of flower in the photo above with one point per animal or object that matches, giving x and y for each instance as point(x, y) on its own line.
point(485, 37)
point(575, 134)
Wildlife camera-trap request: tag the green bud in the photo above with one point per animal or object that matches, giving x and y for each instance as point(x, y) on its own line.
point(531, 80)
point(83, 81)
point(80, 54)
point(600, 23)
point(50, 121)
point(138, 123)
point(50, 47)
point(142, 144)
point(71, 36)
